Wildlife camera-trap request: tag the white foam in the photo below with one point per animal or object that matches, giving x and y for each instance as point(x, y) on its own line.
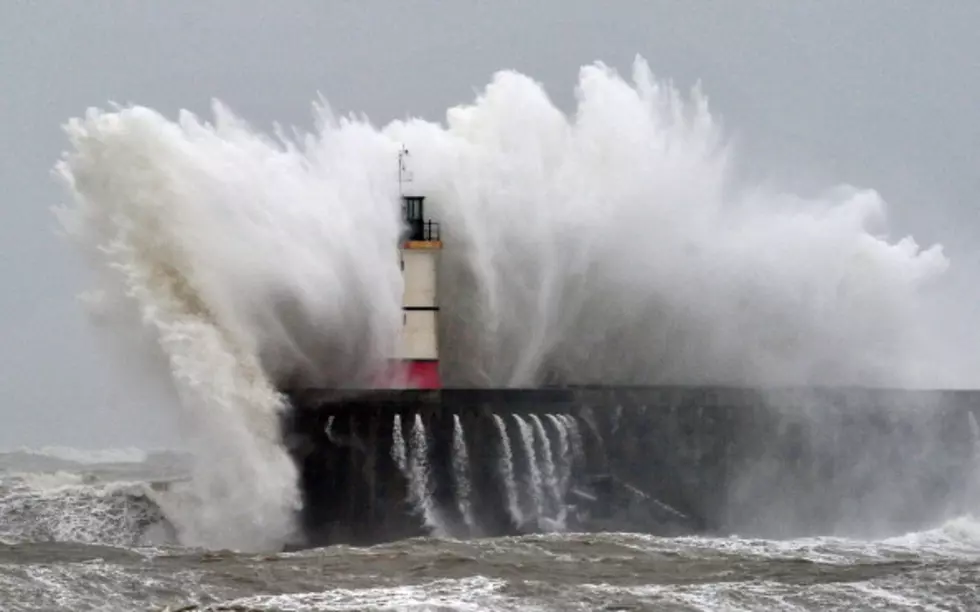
point(89, 585)
point(476, 593)
point(68, 508)
point(609, 245)
point(958, 536)
point(753, 595)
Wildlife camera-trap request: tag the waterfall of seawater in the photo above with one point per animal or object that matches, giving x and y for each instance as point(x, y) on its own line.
point(328, 429)
point(420, 480)
point(550, 477)
point(564, 461)
point(461, 475)
point(575, 437)
point(507, 472)
point(398, 446)
point(534, 474)
point(590, 422)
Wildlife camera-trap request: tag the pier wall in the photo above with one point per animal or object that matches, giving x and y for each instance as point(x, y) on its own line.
point(662, 460)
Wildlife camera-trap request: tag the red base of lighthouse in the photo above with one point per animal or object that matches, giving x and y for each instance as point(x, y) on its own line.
point(423, 374)
point(411, 374)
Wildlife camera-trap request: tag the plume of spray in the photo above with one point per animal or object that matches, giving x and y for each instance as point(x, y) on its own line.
point(613, 246)
point(606, 246)
point(233, 257)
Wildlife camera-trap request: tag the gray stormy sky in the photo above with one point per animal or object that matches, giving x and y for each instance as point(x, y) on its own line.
point(877, 94)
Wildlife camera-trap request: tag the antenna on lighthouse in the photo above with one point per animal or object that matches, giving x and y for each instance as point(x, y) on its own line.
point(404, 176)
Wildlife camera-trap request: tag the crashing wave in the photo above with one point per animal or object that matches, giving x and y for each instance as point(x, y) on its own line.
point(612, 244)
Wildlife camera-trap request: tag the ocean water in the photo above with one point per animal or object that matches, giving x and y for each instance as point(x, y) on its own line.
point(80, 531)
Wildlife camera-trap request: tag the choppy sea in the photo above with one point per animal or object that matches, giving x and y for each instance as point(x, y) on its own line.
point(84, 531)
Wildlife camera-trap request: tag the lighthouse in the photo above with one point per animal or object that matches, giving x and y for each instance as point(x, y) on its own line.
point(420, 245)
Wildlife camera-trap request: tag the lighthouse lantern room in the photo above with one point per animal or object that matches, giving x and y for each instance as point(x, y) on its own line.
point(419, 249)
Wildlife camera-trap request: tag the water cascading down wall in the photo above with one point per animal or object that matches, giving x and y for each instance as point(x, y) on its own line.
point(664, 460)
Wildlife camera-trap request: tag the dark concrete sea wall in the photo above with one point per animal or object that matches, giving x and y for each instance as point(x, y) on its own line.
point(774, 463)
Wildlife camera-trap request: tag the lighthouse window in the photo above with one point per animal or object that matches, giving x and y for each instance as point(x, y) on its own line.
point(413, 208)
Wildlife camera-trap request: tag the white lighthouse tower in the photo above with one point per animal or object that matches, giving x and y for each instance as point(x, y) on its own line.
point(418, 257)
